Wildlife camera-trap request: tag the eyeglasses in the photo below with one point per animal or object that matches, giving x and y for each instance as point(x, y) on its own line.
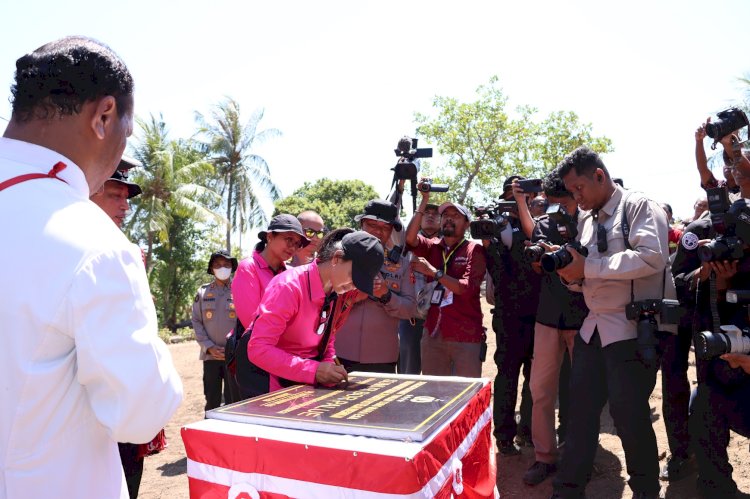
point(317, 233)
point(293, 242)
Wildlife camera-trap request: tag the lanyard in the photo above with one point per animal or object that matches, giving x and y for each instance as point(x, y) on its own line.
point(59, 166)
point(447, 258)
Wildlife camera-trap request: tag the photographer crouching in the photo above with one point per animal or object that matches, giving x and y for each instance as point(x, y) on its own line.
point(626, 237)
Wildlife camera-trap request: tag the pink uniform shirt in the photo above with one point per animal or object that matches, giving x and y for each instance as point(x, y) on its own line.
point(284, 339)
point(250, 281)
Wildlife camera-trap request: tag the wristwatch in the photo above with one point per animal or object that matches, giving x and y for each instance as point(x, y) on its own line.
point(438, 275)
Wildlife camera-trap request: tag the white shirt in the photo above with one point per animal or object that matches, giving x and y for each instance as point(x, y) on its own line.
point(81, 365)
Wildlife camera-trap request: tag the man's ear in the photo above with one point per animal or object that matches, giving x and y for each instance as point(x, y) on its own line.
point(105, 114)
point(599, 175)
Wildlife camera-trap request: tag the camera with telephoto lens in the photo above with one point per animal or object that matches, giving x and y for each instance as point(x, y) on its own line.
point(729, 338)
point(490, 222)
point(732, 223)
point(533, 253)
point(409, 155)
point(729, 120)
point(567, 227)
point(426, 185)
point(645, 312)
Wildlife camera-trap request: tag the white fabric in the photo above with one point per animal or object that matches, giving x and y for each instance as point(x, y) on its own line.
point(81, 365)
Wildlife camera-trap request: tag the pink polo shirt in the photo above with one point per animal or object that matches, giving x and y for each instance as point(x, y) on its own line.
point(250, 281)
point(284, 339)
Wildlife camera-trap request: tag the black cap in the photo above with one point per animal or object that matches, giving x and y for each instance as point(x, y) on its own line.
point(381, 210)
point(284, 223)
point(509, 181)
point(223, 253)
point(121, 176)
point(366, 254)
point(430, 206)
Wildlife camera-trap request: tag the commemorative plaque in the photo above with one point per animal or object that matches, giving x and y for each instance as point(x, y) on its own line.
point(374, 405)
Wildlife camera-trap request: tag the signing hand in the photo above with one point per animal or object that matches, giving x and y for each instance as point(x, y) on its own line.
point(330, 374)
point(738, 360)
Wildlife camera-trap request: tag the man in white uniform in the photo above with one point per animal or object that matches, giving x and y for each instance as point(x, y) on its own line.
point(81, 366)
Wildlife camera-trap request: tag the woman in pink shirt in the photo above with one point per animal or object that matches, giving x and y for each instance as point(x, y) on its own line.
point(282, 238)
point(291, 340)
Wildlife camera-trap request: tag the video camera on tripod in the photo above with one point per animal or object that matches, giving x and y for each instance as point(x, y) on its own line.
point(408, 166)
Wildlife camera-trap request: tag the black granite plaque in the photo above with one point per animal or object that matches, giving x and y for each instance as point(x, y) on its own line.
point(383, 406)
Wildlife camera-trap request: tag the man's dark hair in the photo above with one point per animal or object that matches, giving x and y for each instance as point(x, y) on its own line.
point(554, 186)
point(584, 161)
point(59, 77)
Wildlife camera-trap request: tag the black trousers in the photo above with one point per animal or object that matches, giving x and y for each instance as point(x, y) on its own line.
point(515, 348)
point(675, 350)
point(215, 379)
point(410, 346)
point(717, 409)
point(615, 373)
point(132, 467)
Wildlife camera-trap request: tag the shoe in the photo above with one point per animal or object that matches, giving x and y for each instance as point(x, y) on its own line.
point(508, 448)
point(538, 473)
point(677, 468)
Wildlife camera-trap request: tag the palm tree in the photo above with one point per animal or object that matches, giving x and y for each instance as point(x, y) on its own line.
point(170, 179)
point(243, 175)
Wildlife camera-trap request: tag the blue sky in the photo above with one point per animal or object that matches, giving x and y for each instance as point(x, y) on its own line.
point(342, 80)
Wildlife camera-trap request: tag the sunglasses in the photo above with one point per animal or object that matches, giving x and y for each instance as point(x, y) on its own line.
point(325, 314)
point(317, 233)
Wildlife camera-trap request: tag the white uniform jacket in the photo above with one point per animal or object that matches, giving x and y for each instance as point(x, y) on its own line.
point(81, 365)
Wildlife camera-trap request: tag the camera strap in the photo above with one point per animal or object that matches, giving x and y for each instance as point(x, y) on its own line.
point(714, 301)
point(447, 258)
point(625, 226)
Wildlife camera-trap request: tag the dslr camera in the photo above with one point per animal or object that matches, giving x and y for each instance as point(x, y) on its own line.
point(732, 223)
point(645, 312)
point(491, 219)
point(730, 338)
point(567, 227)
point(729, 120)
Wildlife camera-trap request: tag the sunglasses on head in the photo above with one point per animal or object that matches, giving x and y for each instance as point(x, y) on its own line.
point(317, 233)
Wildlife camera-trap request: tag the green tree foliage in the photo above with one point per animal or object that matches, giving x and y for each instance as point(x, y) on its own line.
point(484, 143)
point(173, 217)
point(337, 201)
point(243, 175)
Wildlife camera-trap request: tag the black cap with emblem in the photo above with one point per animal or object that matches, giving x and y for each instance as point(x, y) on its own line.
point(221, 253)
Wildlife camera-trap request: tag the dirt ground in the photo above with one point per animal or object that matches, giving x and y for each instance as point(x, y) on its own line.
point(165, 473)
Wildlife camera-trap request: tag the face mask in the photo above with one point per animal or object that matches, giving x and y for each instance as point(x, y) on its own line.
point(222, 273)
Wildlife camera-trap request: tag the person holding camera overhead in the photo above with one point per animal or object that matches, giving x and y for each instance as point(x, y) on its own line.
point(516, 293)
point(368, 341)
point(453, 335)
point(620, 269)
